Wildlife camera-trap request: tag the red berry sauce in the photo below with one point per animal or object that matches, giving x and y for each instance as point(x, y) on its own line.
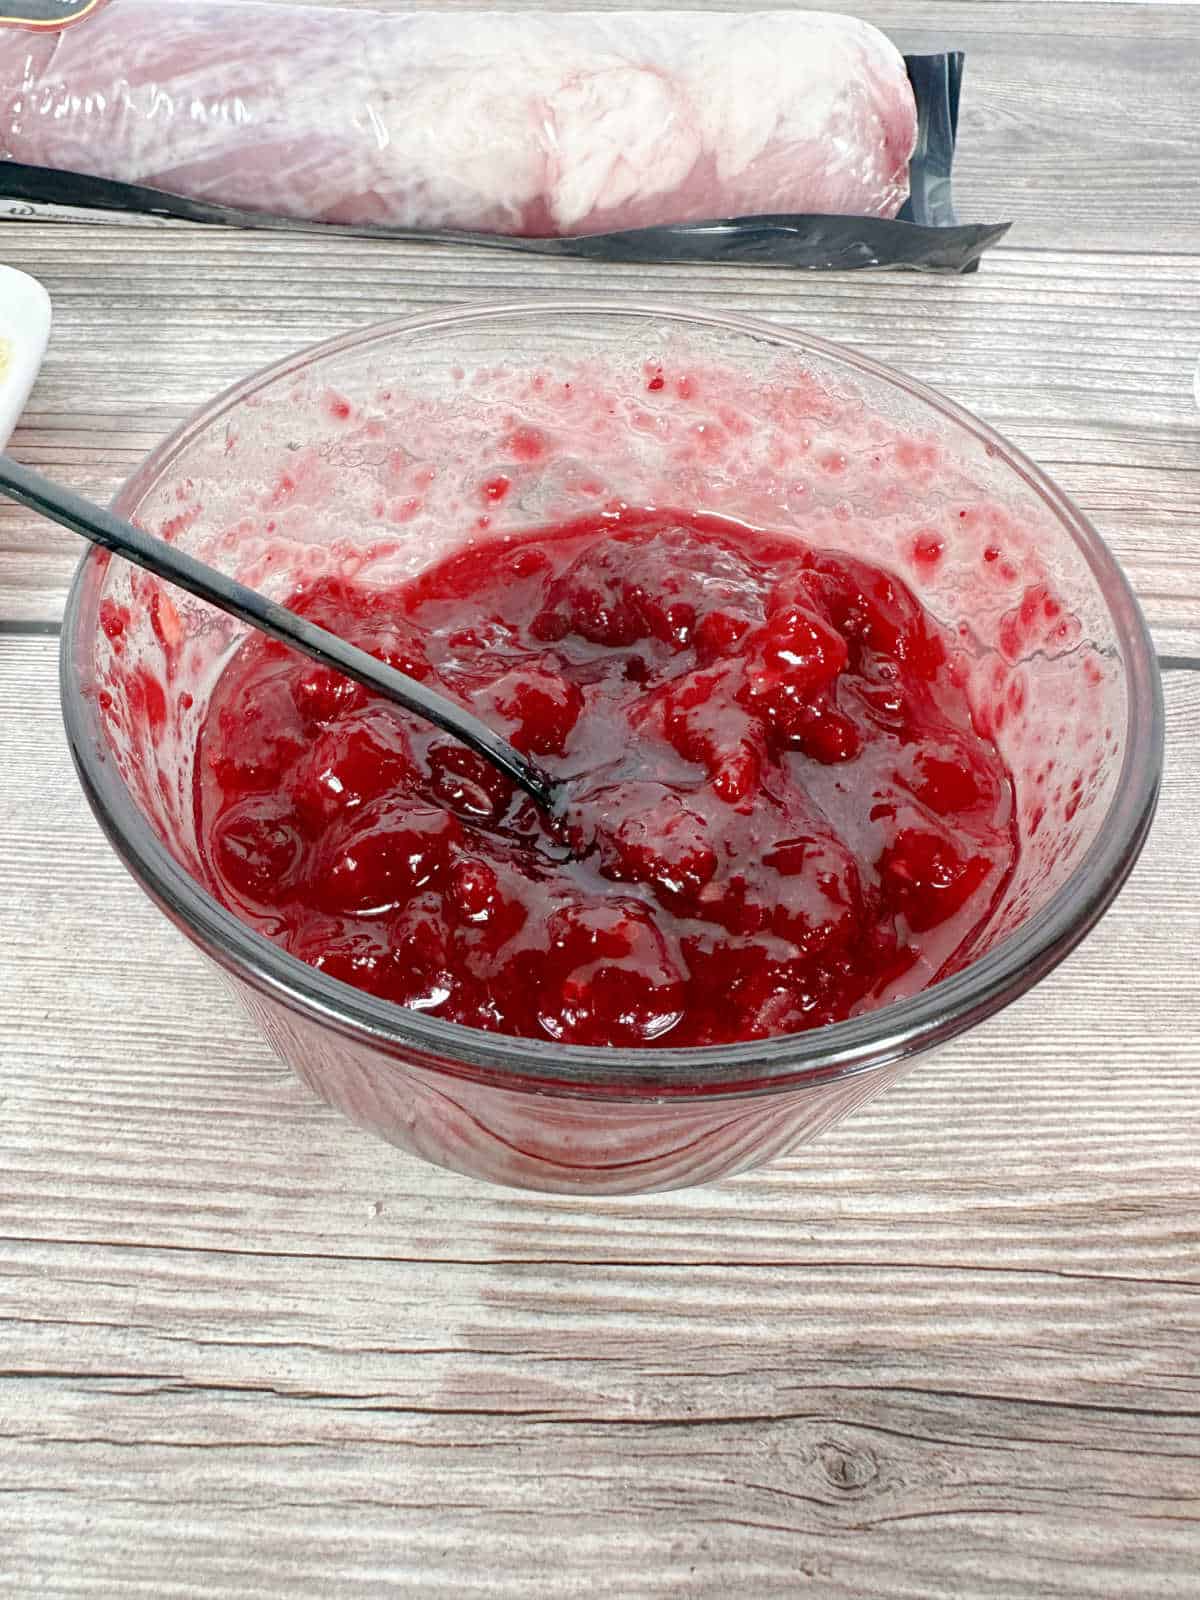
point(779, 805)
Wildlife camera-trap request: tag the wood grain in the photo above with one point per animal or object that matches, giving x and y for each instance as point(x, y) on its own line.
point(1085, 361)
point(950, 1349)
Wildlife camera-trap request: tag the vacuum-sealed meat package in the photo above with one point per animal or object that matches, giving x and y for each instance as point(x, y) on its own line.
point(632, 135)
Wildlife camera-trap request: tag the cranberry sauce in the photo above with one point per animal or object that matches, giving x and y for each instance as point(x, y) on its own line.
point(779, 805)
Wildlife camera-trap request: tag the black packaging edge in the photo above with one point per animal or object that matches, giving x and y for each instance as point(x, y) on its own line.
point(926, 236)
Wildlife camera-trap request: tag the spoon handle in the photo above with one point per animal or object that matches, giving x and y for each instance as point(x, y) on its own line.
point(113, 533)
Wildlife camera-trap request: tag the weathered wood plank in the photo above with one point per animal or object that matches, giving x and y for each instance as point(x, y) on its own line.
point(950, 1349)
point(245, 1346)
point(556, 1434)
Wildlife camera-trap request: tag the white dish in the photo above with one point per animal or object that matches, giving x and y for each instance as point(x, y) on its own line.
point(24, 331)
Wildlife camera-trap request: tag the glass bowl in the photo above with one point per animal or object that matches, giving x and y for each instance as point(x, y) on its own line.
point(376, 453)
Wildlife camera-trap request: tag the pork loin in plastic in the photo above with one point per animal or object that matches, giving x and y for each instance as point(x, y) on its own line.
point(517, 123)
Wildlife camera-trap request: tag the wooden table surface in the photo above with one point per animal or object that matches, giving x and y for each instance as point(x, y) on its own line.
point(951, 1349)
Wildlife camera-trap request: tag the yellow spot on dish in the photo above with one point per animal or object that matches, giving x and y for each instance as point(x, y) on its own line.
point(5, 353)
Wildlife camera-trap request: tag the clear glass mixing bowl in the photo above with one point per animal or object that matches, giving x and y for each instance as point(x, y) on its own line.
point(373, 454)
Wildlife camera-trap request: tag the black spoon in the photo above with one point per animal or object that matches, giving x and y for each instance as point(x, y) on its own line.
point(113, 533)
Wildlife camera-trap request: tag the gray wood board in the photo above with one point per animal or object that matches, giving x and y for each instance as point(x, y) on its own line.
point(948, 1349)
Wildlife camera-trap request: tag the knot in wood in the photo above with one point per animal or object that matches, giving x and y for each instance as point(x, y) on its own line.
point(847, 1469)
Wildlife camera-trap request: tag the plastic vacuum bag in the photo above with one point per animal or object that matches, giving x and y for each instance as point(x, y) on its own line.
point(653, 136)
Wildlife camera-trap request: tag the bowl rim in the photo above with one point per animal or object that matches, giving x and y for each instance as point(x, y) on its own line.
point(874, 1039)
